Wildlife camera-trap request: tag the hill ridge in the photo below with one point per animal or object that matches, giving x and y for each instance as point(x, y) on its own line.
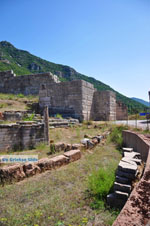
point(23, 63)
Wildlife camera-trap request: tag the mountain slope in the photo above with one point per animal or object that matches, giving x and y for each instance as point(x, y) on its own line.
point(146, 103)
point(22, 62)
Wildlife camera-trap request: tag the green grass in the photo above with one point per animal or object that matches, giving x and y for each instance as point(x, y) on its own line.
point(58, 197)
point(116, 135)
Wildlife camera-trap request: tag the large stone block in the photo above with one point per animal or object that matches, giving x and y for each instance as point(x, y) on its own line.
point(73, 155)
point(127, 167)
point(59, 160)
point(122, 187)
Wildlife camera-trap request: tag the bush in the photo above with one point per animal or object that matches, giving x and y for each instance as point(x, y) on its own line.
point(116, 135)
point(29, 117)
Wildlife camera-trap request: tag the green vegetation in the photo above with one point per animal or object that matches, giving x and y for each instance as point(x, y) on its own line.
point(100, 184)
point(29, 117)
point(116, 135)
point(58, 197)
point(22, 62)
point(59, 116)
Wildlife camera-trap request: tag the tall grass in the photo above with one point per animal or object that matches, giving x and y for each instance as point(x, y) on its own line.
point(100, 184)
point(116, 135)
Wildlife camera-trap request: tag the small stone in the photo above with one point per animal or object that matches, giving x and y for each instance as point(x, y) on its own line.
point(130, 176)
point(122, 187)
point(132, 154)
point(59, 160)
point(73, 155)
point(127, 167)
point(122, 195)
point(123, 180)
point(127, 149)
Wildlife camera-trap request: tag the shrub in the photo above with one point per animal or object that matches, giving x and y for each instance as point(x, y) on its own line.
point(116, 135)
point(59, 116)
point(29, 117)
point(20, 95)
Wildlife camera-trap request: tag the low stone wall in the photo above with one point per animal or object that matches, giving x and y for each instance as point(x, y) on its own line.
point(19, 172)
point(20, 136)
point(138, 142)
point(137, 209)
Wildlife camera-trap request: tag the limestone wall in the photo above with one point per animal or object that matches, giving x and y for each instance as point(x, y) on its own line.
point(20, 136)
point(104, 106)
point(73, 99)
point(121, 111)
point(25, 84)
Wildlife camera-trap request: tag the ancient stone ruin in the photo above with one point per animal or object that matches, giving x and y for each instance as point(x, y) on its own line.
point(21, 135)
point(25, 84)
point(77, 99)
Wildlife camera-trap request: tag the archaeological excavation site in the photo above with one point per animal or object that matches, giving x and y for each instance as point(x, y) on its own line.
point(64, 161)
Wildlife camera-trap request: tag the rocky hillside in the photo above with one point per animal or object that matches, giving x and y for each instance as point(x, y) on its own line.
point(22, 62)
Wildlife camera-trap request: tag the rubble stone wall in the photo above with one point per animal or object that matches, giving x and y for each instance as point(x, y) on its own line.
point(25, 84)
point(136, 209)
point(18, 137)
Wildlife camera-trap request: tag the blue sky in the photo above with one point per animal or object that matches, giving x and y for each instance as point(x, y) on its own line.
point(105, 39)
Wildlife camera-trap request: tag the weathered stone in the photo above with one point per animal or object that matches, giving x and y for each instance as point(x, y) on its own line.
point(90, 144)
point(130, 176)
point(20, 136)
point(127, 149)
point(31, 169)
point(60, 147)
point(132, 155)
point(132, 160)
point(122, 195)
point(84, 141)
point(122, 187)
point(45, 164)
point(114, 201)
point(127, 167)
point(59, 160)
point(129, 160)
point(73, 155)
point(95, 141)
point(68, 147)
point(13, 172)
point(76, 146)
point(123, 180)
point(99, 138)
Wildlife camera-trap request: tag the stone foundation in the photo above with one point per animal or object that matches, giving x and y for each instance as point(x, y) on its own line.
point(20, 136)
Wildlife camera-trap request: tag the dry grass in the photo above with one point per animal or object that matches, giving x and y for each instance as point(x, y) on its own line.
point(58, 197)
point(11, 102)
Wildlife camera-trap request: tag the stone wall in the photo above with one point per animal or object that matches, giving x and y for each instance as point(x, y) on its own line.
point(70, 99)
point(78, 99)
point(20, 136)
point(104, 106)
point(25, 84)
point(121, 111)
point(136, 210)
